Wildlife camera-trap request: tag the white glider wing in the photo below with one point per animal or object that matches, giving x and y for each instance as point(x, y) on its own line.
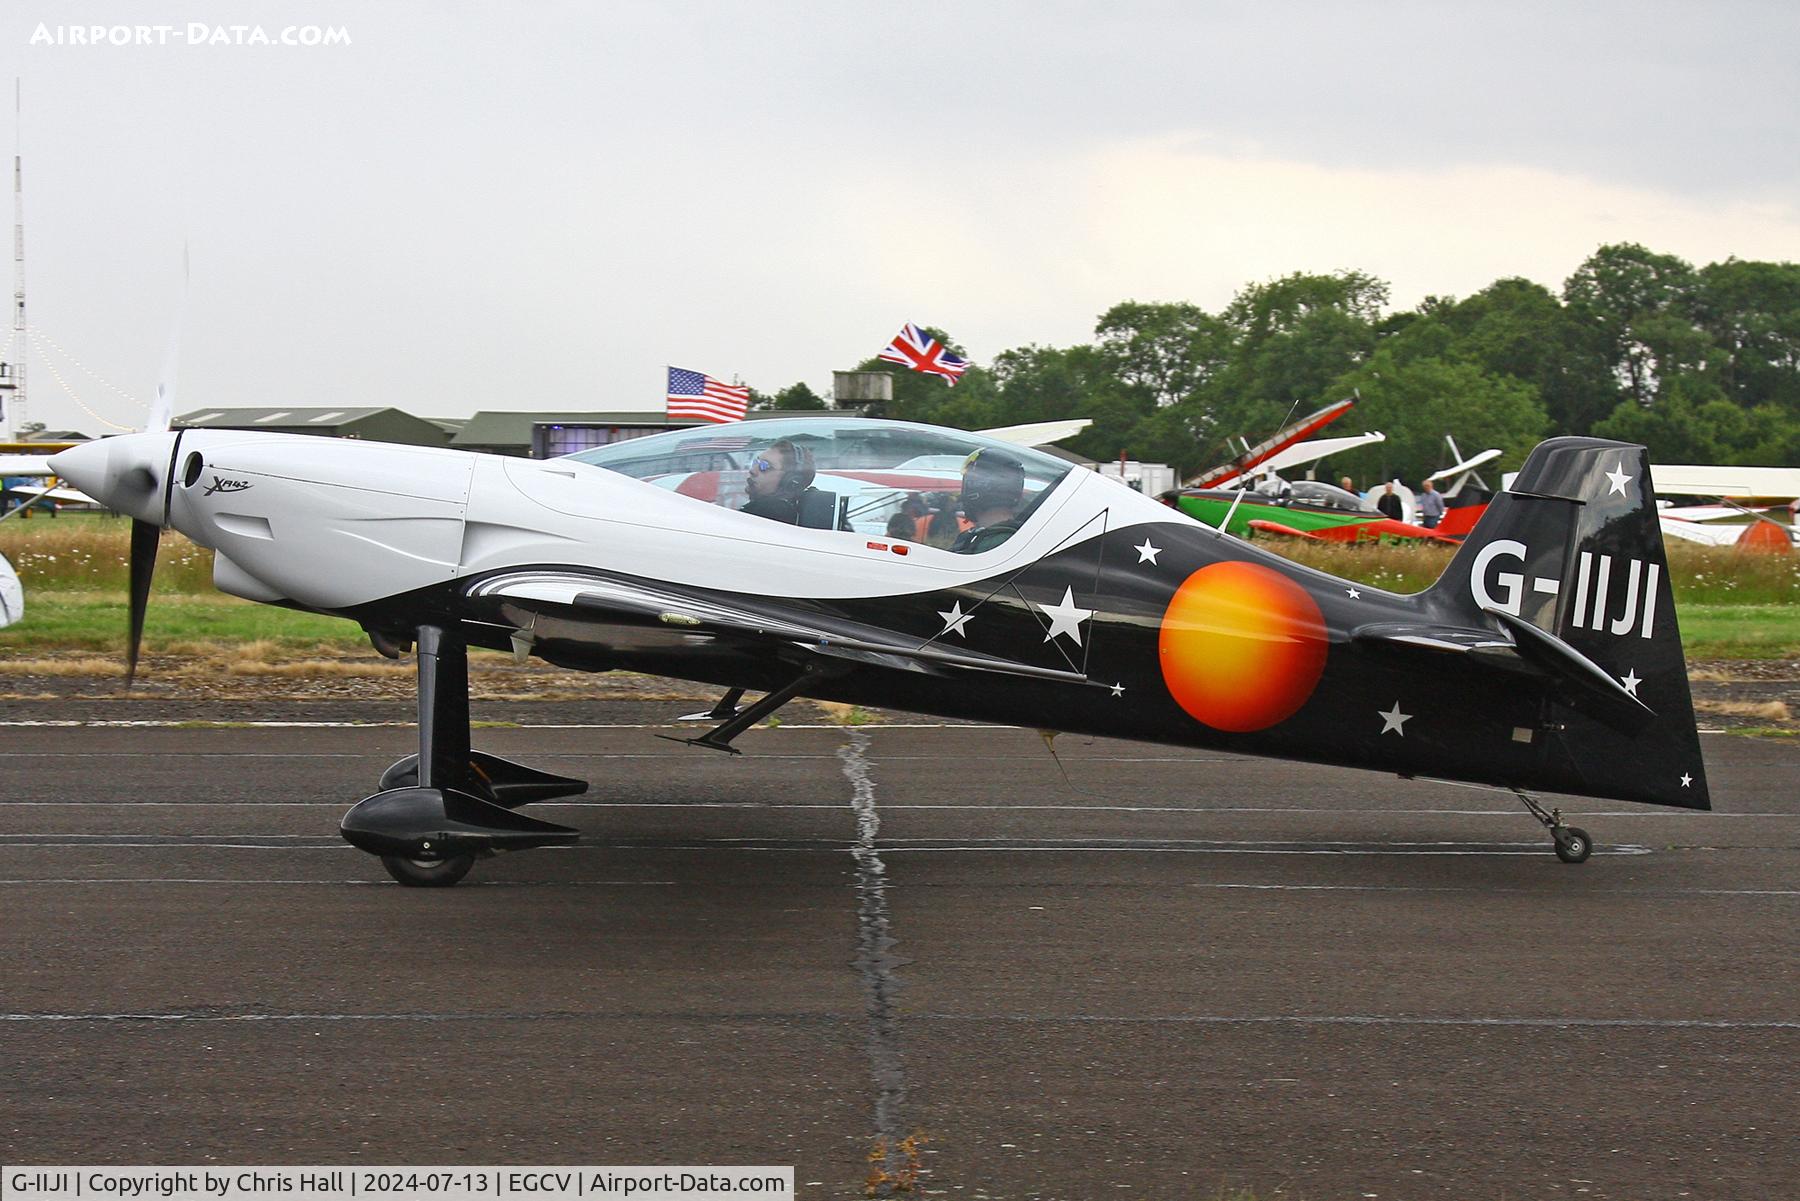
point(1039, 433)
point(1708, 479)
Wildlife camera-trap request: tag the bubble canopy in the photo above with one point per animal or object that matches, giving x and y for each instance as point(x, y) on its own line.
point(869, 467)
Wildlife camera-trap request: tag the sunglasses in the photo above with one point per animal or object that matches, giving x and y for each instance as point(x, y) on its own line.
point(762, 465)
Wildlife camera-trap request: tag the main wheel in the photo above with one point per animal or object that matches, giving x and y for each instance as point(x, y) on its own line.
point(433, 873)
point(1572, 844)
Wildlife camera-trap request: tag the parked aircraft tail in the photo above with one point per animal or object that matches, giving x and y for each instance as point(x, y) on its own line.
point(1569, 563)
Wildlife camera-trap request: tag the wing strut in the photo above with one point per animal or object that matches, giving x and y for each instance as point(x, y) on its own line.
point(724, 707)
point(719, 737)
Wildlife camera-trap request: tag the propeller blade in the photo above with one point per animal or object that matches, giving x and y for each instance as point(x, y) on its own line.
point(162, 411)
point(144, 537)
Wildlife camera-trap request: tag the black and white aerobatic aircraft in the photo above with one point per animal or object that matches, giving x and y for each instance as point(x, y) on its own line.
point(1546, 658)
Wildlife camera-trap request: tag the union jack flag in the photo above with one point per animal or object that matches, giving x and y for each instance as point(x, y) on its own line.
point(915, 348)
point(702, 397)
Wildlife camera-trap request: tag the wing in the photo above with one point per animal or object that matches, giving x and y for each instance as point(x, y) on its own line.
point(610, 610)
point(67, 496)
point(1688, 479)
point(1382, 527)
point(1285, 531)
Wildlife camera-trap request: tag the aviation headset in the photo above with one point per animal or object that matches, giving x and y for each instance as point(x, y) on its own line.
point(992, 479)
point(798, 475)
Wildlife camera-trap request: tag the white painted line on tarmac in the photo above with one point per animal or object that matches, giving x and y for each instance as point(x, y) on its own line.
point(1412, 849)
point(370, 883)
point(999, 807)
point(167, 845)
point(184, 755)
point(1552, 1022)
point(1484, 890)
point(1487, 889)
point(899, 846)
point(1368, 1020)
point(166, 839)
point(1003, 807)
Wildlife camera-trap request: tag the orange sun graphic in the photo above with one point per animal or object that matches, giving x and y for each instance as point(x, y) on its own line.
point(1242, 646)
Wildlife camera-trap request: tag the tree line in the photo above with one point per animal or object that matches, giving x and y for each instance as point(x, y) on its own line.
point(1699, 364)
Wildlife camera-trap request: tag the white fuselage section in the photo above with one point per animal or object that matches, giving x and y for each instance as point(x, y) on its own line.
point(332, 524)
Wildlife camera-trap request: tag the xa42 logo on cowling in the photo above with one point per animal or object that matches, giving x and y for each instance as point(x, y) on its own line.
point(1598, 588)
point(221, 484)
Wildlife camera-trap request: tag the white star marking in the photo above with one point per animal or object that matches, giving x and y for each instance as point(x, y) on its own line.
point(1686, 780)
point(1148, 553)
point(1631, 681)
point(1394, 720)
point(1066, 618)
point(1118, 690)
point(1354, 594)
point(1619, 480)
point(955, 620)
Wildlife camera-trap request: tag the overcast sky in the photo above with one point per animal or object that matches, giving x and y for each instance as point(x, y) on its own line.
point(539, 206)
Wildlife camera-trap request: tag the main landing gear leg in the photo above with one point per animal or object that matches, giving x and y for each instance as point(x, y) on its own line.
point(1572, 842)
point(441, 809)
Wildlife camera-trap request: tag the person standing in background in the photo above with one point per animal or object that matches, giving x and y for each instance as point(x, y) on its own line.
point(1389, 504)
point(1431, 506)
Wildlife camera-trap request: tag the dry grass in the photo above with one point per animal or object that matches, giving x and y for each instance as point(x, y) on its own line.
point(321, 668)
point(1762, 710)
point(86, 666)
point(842, 714)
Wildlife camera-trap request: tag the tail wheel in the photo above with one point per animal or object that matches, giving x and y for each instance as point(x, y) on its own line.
point(435, 873)
point(1573, 844)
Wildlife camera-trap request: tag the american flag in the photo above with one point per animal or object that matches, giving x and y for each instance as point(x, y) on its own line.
point(694, 395)
point(914, 348)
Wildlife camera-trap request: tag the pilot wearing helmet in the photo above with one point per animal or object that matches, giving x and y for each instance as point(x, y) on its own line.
point(993, 492)
point(779, 484)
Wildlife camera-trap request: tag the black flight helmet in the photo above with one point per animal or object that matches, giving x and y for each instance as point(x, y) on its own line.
point(992, 479)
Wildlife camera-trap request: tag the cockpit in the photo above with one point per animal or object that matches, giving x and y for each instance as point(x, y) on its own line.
point(1329, 496)
point(916, 483)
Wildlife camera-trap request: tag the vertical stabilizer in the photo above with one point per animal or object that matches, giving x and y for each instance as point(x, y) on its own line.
point(1573, 553)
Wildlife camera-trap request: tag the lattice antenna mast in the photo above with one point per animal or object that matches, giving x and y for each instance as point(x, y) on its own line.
point(16, 413)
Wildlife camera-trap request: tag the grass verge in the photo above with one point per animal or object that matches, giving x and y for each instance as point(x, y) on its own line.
point(96, 621)
point(1713, 631)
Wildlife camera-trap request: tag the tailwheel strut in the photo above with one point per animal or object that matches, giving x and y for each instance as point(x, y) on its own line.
point(1573, 844)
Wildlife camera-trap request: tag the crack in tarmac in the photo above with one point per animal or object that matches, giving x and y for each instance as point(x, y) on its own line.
point(877, 964)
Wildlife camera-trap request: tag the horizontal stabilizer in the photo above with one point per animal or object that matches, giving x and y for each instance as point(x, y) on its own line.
point(1459, 640)
point(1582, 684)
point(1578, 681)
